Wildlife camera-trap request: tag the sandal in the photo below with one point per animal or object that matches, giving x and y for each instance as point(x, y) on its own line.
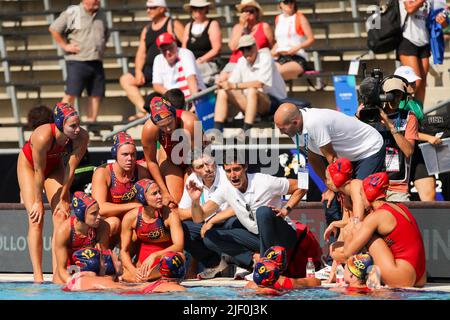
point(138, 115)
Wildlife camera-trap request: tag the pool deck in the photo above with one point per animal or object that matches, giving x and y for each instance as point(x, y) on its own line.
point(225, 282)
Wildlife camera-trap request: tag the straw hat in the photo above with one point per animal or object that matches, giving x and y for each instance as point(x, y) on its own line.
point(250, 3)
point(196, 3)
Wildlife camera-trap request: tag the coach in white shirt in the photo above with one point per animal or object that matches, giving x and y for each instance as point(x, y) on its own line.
point(331, 135)
point(254, 86)
point(260, 220)
point(209, 177)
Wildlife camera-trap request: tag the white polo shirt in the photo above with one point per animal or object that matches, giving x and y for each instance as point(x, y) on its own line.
point(220, 179)
point(263, 70)
point(262, 190)
point(176, 76)
point(350, 137)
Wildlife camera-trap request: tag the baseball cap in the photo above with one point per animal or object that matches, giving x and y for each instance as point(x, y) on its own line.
point(156, 3)
point(408, 73)
point(246, 40)
point(394, 84)
point(340, 171)
point(375, 186)
point(165, 38)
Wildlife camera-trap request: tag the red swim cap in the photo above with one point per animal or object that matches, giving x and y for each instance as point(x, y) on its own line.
point(375, 186)
point(340, 171)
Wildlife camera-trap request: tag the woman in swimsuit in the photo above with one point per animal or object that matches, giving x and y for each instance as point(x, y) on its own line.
point(83, 230)
point(112, 183)
point(158, 230)
point(40, 166)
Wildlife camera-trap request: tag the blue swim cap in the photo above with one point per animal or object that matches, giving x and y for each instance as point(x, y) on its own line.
point(278, 255)
point(87, 259)
point(171, 266)
point(80, 203)
point(266, 273)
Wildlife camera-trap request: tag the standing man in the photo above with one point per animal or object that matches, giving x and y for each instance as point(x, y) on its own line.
point(82, 32)
point(255, 86)
point(260, 222)
point(332, 135)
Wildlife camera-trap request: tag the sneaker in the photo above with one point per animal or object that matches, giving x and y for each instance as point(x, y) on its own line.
point(210, 273)
point(241, 273)
point(323, 274)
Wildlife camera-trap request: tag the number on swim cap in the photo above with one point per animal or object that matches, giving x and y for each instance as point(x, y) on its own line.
point(75, 202)
point(262, 269)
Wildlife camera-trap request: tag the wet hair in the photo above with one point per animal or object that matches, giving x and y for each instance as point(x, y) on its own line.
point(38, 116)
point(176, 98)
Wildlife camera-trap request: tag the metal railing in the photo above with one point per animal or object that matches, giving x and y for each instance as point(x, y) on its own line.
point(144, 119)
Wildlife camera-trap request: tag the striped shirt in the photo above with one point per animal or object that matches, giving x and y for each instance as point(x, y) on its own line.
point(175, 76)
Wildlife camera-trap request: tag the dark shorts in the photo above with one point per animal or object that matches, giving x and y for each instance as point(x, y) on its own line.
point(148, 74)
point(88, 75)
point(274, 104)
point(418, 167)
point(407, 48)
point(296, 58)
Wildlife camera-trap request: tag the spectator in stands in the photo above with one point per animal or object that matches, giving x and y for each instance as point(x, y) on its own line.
point(260, 222)
point(84, 229)
point(112, 183)
point(147, 51)
point(424, 182)
point(327, 135)
point(38, 116)
point(414, 48)
point(392, 237)
point(157, 228)
point(175, 67)
point(254, 86)
point(293, 34)
point(82, 32)
point(250, 22)
point(204, 38)
point(40, 166)
point(167, 168)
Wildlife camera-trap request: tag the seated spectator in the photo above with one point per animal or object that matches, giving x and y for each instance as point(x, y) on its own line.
point(157, 228)
point(38, 116)
point(255, 86)
point(260, 220)
point(204, 38)
point(84, 229)
point(424, 182)
point(250, 22)
point(112, 183)
point(392, 237)
point(293, 34)
point(147, 51)
point(165, 164)
point(175, 67)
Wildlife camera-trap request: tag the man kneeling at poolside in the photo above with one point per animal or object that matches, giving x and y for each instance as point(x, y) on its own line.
point(260, 222)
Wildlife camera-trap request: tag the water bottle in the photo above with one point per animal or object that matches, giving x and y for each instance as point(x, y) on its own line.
point(310, 269)
point(340, 276)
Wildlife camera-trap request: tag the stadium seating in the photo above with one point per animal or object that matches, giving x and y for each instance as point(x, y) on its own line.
point(32, 68)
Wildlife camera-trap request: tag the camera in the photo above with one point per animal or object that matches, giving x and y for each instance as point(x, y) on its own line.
point(373, 97)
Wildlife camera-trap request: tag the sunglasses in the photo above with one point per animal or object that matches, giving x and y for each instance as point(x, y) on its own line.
point(246, 50)
point(287, 1)
point(197, 8)
point(152, 8)
point(250, 10)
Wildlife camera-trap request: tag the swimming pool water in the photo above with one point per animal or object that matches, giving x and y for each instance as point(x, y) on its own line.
point(49, 291)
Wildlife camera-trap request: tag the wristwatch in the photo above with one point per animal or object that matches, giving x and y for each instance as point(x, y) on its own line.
point(288, 209)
